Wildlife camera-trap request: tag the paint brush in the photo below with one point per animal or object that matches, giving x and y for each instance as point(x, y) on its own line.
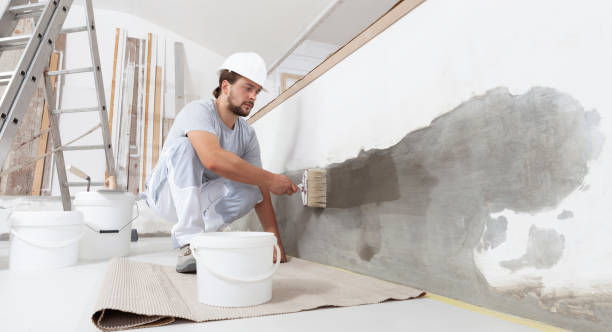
point(314, 187)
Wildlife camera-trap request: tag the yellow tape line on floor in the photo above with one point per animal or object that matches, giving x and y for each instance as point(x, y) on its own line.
point(514, 319)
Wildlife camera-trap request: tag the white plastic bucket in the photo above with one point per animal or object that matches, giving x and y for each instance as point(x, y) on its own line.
point(234, 269)
point(44, 239)
point(107, 218)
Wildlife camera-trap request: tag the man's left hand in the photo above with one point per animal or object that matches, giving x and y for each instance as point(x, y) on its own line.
point(282, 251)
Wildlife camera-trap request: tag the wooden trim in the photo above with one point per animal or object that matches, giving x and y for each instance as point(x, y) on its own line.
point(385, 21)
point(42, 142)
point(285, 76)
point(114, 81)
point(156, 116)
point(146, 113)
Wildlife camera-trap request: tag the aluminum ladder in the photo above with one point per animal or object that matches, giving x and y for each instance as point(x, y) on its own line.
point(34, 66)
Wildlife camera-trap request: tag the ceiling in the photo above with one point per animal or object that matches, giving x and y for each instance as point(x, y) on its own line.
point(268, 27)
point(347, 19)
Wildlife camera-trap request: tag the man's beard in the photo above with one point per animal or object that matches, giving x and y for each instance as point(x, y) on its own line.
point(237, 109)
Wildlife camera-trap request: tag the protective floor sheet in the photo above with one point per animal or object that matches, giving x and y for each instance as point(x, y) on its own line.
point(136, 295)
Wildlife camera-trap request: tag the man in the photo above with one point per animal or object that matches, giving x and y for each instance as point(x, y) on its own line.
point(209, 172)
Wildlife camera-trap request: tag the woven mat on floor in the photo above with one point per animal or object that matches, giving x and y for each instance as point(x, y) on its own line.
point(136, 295)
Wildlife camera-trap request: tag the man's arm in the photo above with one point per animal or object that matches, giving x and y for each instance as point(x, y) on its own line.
point(229, 165)
point(267, 218)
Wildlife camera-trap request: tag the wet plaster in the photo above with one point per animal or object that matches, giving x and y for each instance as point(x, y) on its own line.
point(544, 249)
point(413, 213)
point(495, 233)
point(565, 215)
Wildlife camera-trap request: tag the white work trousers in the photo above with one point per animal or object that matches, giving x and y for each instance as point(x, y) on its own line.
point(178, 191)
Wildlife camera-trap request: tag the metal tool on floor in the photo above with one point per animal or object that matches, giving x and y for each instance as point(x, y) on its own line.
point(33, 67)
point(314, 187)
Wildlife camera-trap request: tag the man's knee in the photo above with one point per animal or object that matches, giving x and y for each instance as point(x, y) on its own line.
point(241, 199)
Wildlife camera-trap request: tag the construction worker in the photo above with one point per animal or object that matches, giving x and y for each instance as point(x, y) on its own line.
point(209, 172)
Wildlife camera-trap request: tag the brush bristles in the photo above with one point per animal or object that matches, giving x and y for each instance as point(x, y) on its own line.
point(317, 188)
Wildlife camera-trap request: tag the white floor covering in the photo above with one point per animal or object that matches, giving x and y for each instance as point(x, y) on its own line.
point(62, 300)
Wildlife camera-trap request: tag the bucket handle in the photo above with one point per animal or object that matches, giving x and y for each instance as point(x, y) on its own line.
point(111, 231)
point(241, 280)
point(45, 244)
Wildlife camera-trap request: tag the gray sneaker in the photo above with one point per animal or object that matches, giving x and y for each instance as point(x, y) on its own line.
point(185, 262)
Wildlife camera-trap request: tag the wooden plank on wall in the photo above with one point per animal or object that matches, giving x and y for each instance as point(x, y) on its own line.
point(146, 113)
point(49, 166)
point(42, 142)
point(179, 77)
point(139, 142)
point(156, 117)
point(114, 81)
point(385, 21)
point(128, 80)
point(133, 156)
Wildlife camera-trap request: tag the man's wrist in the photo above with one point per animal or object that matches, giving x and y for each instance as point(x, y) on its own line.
point(268, 179)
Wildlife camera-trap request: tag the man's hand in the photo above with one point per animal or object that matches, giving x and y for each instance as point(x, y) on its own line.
point(282, 251)
point(282, 184)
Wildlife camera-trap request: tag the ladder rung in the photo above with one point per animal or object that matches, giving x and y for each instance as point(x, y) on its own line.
point(76, 110)
point(6, 74)
point(5, 77)
point(74, 29)
point(84, 184)
point(33, 9)
point(70, 71)
point(83, 147)
point(14, 42)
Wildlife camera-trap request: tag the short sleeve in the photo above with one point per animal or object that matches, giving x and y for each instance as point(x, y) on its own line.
point(253, 156)
point(197, 116)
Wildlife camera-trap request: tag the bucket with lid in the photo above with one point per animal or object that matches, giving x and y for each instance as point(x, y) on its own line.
point(234, 269)
point(44, 239)
point(107, 217)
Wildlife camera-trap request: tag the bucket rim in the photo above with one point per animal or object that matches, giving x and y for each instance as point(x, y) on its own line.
point(95, 196)
point(233, 240)
point(45, 218)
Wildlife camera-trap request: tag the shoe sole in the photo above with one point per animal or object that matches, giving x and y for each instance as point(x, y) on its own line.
point(189, 267)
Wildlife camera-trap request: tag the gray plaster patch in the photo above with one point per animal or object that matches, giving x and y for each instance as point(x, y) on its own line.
point(495, 233)
point(369, 241)
point(544, 249)
point(371, 177)
point(414, 212)
point(565, 215)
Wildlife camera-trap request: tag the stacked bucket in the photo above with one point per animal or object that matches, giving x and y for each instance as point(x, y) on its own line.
point(97, 228)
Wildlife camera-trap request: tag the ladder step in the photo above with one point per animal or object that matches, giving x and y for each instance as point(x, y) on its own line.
point(23, 11)
point(74, 29)
point(84, 184)
point(76, 110)
point(83, 147)
point(6, 74)
point(14, 42)
point(70, 71)
point(5, 77)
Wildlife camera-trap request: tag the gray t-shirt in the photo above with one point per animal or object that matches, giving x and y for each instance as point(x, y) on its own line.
point(203, 115)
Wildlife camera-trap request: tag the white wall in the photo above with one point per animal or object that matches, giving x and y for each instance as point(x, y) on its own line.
point(446, 52)
point(78, 90)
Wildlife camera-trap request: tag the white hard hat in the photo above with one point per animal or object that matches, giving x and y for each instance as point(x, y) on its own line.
point(247, 64)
